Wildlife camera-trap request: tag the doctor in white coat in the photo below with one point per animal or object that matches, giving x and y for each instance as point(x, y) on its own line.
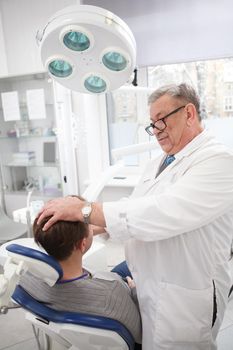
point(177, 227)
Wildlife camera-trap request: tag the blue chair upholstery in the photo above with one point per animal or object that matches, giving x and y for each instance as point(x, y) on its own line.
point(37, 255)
point(47, 315)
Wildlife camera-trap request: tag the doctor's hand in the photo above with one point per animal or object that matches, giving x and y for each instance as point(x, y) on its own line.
point(66, 209)
point(99, 230)
point(130, 282)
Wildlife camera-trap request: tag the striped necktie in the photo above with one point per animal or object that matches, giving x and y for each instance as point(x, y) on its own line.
point(168, 160)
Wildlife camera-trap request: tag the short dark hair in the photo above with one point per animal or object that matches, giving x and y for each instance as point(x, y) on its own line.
point(60, 239)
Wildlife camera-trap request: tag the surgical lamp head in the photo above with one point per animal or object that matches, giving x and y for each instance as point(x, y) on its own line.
point(88, 49)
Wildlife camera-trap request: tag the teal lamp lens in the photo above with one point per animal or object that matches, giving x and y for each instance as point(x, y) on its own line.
point(60, 68)
point(114, 61)
point(95, 84)
point(76, 41)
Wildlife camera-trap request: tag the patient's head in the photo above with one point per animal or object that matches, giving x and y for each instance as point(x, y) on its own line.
point(63, 237)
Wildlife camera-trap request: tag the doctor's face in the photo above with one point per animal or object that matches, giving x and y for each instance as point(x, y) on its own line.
point(174, 135)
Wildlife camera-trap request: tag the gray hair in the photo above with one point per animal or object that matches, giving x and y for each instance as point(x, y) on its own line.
point(182, 92)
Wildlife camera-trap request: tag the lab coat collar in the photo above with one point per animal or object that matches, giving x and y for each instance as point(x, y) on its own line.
point(191, 147)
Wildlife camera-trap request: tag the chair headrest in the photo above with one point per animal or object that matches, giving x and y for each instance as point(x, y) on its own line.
point(38, 263)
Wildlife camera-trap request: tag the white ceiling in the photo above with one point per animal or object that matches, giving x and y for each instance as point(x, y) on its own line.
point(169, 31)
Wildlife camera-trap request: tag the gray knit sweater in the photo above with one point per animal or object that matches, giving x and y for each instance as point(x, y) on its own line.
point(103, 294)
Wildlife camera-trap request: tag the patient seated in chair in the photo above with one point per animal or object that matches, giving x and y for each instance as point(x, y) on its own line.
point(103, 294)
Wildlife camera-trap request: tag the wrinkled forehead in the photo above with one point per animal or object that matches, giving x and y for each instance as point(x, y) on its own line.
point(163, 105)
point(167, 99)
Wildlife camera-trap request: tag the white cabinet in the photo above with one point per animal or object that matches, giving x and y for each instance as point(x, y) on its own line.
point(28, 148)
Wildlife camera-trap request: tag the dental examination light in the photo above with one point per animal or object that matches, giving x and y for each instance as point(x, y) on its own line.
point(88, 49)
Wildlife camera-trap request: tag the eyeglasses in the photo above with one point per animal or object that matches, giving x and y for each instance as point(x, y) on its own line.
point(160, 124)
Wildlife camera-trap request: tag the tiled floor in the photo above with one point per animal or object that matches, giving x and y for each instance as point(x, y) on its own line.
point(16, 333)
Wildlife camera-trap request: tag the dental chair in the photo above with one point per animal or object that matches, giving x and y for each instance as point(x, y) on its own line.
point(74, 331)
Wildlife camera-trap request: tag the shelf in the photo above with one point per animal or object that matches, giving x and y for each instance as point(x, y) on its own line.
point(44, 165)
point(7, 137)
point(29, 147)
point(24, 105)
point(28, 136)
point(36, 193)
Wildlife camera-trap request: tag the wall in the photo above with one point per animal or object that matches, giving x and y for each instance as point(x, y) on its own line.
point(3, 60)
point(66, 130)
point(169, 31)
point(33, 134)
point(91, 138)
point(221, 129)
point(20, 22)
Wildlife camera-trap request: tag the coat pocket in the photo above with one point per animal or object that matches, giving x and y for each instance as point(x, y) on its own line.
point(183, 315)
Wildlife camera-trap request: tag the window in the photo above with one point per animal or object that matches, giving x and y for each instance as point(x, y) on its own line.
point(228, 104)
point(127, 108)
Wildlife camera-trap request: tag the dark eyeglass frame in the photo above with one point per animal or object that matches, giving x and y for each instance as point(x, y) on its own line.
point(153, 125)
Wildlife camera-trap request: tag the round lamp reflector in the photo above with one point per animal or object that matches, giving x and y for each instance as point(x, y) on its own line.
point(95, 84)
point(114, 61)
point(76, 41)
point(60, 68)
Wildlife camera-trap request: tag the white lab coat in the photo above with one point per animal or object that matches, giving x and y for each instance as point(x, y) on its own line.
point(178, 229)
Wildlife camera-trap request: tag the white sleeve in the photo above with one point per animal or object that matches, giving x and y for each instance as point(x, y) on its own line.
point(202, 194)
